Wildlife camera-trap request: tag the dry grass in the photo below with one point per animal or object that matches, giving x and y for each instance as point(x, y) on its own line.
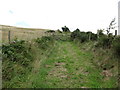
point(20, 33)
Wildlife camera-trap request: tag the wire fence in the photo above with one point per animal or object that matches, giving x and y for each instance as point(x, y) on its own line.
point(9, 35)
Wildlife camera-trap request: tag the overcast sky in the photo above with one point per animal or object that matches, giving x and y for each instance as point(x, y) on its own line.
point(87, 15)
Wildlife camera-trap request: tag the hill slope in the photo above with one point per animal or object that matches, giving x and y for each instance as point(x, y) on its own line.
point(21, 33)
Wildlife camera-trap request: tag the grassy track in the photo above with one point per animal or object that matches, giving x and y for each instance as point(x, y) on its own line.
point(66, 66)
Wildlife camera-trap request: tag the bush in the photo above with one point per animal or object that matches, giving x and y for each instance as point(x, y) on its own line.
point(116, 46)
point(44, 42)
point(105, 41)
point(16, 52)
point(16, 58)
point(94, 37)
point(65, 29)
point(81, 36)
point(75, 34)
point(59, 31)
point(50, 31)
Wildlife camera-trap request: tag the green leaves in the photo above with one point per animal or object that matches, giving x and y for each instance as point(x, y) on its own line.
point(116, 46)
point(44, 42)
point(65, 29)
point(16, 51)
point(83, 36)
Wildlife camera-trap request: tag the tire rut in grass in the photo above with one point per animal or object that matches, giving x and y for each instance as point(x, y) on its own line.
point(68, 67)
point(67, 70)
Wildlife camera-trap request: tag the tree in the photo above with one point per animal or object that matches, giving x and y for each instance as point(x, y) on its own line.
point(65, 29)
point(77, 30)
point(100, 32)
point(75, 34)
point(50, 31)
point(111, 26)
point(59, 31)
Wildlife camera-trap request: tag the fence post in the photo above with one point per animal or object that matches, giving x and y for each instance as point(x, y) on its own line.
point(115, 32)
point(9, 36)
point(97, 33)
point(89, 36)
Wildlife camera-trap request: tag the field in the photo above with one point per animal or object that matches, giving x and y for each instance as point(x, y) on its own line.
point(21, 33)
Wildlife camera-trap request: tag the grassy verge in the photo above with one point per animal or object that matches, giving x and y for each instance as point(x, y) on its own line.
point(19, 59)
point(104, 61)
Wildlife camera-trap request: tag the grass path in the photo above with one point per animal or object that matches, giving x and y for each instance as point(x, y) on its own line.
point(66, 67)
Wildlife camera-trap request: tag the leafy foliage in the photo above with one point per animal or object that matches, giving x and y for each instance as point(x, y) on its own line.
point(17, 52)
point(50, 31)
point(65, 29)
point(75, 34)
point(83, 36)
point(111, 26)
point(59, 31)
point(44, 42)
point(100, 32)
point(105, 41)
point(18, 58)
point(116, 46)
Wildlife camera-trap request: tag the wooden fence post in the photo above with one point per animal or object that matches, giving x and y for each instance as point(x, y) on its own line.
point(9, 36)
point(89, 36)
point(115, 32)
point(97, 33)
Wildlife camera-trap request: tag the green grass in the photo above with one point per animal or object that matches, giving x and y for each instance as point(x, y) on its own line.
point(65, 65)
point(77, 70)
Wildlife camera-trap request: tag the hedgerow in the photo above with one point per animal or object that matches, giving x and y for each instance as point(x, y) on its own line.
point(44, 42)
point(116, 47)
point(17, 52)
point(18, 57)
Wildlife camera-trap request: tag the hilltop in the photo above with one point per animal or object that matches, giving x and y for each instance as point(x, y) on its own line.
point(7, 27)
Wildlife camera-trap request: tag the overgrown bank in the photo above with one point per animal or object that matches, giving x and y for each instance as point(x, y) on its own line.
point(18, 59)
point(106, 51)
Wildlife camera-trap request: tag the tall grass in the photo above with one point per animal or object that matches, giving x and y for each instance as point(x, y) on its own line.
point(18, 58)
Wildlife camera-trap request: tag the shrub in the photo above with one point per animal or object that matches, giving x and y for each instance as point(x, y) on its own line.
point(100, 32)
point(75, 34)
point(116, 46)
point(50, 31)
point(94, 37)
point(59, 31)
point(83, 37)
point(16, 52)
point(15, 56)
point(44, 42)
point(65, 29)
point(105, 41)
